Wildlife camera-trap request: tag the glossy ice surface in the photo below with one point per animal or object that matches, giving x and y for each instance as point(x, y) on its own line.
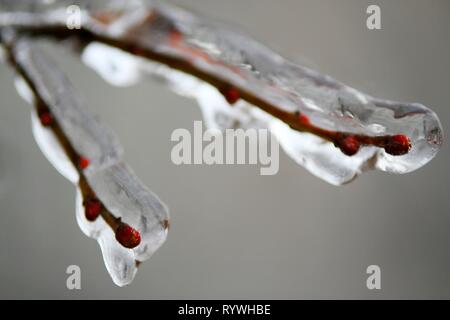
point(113, 182)
point(234, 57)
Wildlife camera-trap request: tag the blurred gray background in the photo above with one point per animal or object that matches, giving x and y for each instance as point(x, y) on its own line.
point(236, 234)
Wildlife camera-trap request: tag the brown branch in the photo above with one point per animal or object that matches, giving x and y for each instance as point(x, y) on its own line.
point(349, 143)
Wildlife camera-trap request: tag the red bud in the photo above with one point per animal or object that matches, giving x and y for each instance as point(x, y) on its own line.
point(349, 145)
point(46, 118)
point(232, 95)
point(127, 236)
point(84, 162)
point(398, 145)
point(92, 207)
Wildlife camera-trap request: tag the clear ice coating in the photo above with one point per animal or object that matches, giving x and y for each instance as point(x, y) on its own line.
point(247, 64)
point(113, 182)
point(88, 137)
point(231, 56)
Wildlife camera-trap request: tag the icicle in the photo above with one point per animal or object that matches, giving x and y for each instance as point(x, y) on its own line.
point(124, 207)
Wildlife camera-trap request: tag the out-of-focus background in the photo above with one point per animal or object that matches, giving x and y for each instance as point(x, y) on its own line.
point(236, 234)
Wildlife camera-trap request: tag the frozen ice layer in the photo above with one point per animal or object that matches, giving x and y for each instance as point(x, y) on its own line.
point(119, 261)
point(126, 197)
point(38, 13)
point(51, 148)
point(113, 183)
point(183, 42)
point(87, 136)
point(256, 70)
point(316, 154)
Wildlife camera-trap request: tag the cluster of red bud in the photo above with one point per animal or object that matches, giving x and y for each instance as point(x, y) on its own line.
point(124, 233)
point(349, 144)
point(395, 145)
